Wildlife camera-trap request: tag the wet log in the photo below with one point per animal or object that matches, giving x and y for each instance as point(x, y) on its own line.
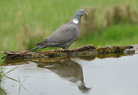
point(84, 51)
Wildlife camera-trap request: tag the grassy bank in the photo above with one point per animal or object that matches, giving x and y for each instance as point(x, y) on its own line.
point(26, 22)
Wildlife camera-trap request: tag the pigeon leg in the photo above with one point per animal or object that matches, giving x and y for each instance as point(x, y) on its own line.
point(65, 47)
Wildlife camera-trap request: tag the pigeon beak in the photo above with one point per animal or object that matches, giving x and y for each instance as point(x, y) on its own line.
point(86, 13)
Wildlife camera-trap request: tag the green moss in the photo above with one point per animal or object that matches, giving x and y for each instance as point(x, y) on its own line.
point(114, 49)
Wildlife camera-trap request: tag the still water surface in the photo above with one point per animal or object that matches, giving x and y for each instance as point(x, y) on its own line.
point(109, 76)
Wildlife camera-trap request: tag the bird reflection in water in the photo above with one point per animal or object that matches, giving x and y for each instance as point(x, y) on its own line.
point(68, 70)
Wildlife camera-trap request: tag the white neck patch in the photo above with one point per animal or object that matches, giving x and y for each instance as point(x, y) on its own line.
point(75, 21)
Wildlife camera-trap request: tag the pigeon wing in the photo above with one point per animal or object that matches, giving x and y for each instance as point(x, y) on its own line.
point(64, 34)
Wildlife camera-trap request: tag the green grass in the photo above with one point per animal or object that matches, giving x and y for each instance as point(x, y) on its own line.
point(122, 34)
point(46, 16)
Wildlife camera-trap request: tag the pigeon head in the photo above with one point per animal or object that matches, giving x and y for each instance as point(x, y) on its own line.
point(78, 15)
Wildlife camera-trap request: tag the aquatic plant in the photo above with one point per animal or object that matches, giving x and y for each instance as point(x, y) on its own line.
point(4, 74)
point(2, 90)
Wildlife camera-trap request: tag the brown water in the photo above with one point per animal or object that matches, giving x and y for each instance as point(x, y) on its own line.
point(108, 76)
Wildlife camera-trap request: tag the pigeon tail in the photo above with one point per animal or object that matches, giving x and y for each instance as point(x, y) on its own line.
point(39, 47)
point(42, 43)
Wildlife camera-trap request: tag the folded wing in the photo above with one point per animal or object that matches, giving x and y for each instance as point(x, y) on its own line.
point(62, 35)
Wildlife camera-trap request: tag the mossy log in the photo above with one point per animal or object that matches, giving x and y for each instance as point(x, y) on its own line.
point(84, 51)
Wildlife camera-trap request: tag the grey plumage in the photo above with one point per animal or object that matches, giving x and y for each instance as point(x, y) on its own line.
point(65, 35)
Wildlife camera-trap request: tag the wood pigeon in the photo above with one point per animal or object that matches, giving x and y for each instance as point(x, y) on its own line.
point(65, 35)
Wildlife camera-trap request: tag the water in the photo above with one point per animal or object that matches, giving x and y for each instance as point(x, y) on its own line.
point(108, 76)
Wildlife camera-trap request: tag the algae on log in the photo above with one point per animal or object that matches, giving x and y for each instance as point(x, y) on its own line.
point(84, 51)
point(113, 49)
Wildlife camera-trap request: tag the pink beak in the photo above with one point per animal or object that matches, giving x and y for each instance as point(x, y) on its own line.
point(86, 13)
